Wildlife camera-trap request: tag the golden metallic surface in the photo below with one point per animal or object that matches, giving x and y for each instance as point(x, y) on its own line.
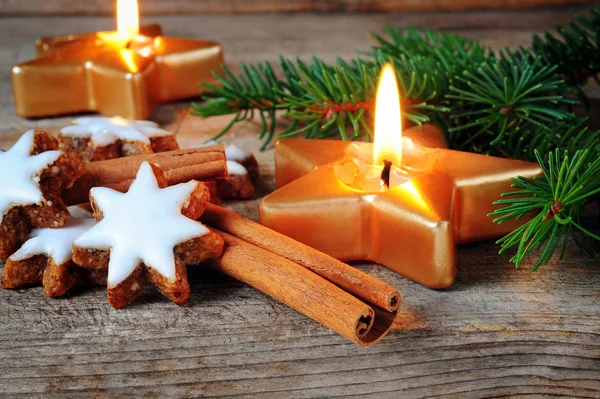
point(411, 234)
point(52, 43)
point(82, 73)
point(412, 228)
point(480, 180)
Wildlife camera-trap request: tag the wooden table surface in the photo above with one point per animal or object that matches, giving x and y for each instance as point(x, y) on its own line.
point(498, 331)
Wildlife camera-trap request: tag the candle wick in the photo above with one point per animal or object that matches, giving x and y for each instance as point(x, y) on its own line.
point(385, 173)
point(128, 44)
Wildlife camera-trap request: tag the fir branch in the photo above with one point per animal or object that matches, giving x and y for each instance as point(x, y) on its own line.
point(492, 100)
point(575, 50)
point(557, 198)
point(454, 53)
point(570, 136)
point(341, 96)
point(322, 100)
point(495, 101)
point(256, 90)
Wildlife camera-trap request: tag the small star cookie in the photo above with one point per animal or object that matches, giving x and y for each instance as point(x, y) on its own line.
point(238, 184)
point(243, 171)
point(239, 156)
point(46, 258)
point(33, 176)
point(100, 138)
point(147, 234)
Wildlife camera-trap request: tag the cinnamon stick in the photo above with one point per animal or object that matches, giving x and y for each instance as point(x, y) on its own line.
point(180, 166)
point(302, 290)
point(344, 276)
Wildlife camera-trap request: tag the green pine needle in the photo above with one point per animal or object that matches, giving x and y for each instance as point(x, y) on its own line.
point(555, 201)
point(452, 52)
point(575, 49)
point(322, 100)
point(497, 100)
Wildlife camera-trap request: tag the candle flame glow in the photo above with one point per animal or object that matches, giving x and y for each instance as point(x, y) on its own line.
point(128, 20)
point(388, 123)
point(127, 57)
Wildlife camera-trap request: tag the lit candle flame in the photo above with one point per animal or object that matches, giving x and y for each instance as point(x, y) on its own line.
point(388, 123)
point(128, 20)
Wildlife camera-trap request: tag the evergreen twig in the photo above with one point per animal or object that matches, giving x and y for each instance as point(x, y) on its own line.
point(557, 199)
point(493, 102)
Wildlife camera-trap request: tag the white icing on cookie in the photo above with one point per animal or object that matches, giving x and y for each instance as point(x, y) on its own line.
point(57, 244)
point(234, 156)
point(234, 168)
point(142, 225)
point(103, 131)
point(20, 174)
point(232, 152)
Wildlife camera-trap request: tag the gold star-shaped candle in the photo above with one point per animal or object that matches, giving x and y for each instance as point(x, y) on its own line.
point(121, 73)
point(401, 202)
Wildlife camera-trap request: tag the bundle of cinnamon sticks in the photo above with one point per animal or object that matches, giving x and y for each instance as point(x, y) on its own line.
point(346, 300)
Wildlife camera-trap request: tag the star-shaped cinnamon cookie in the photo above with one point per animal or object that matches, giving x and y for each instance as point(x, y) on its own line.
point(100, 138)
point(242, 170)
point(149, 233)
point(32, 176)
point(46, 258)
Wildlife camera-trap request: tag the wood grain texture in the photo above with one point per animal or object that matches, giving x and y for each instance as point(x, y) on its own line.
point(497, 332)
point(271, 6)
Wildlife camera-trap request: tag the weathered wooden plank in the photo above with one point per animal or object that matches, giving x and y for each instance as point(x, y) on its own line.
point(498, 331)
point(271, 6)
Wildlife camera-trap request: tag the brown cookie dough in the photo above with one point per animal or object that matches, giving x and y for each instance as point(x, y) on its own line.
point(46, 259)
point(35, 176)
point(101, 138)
